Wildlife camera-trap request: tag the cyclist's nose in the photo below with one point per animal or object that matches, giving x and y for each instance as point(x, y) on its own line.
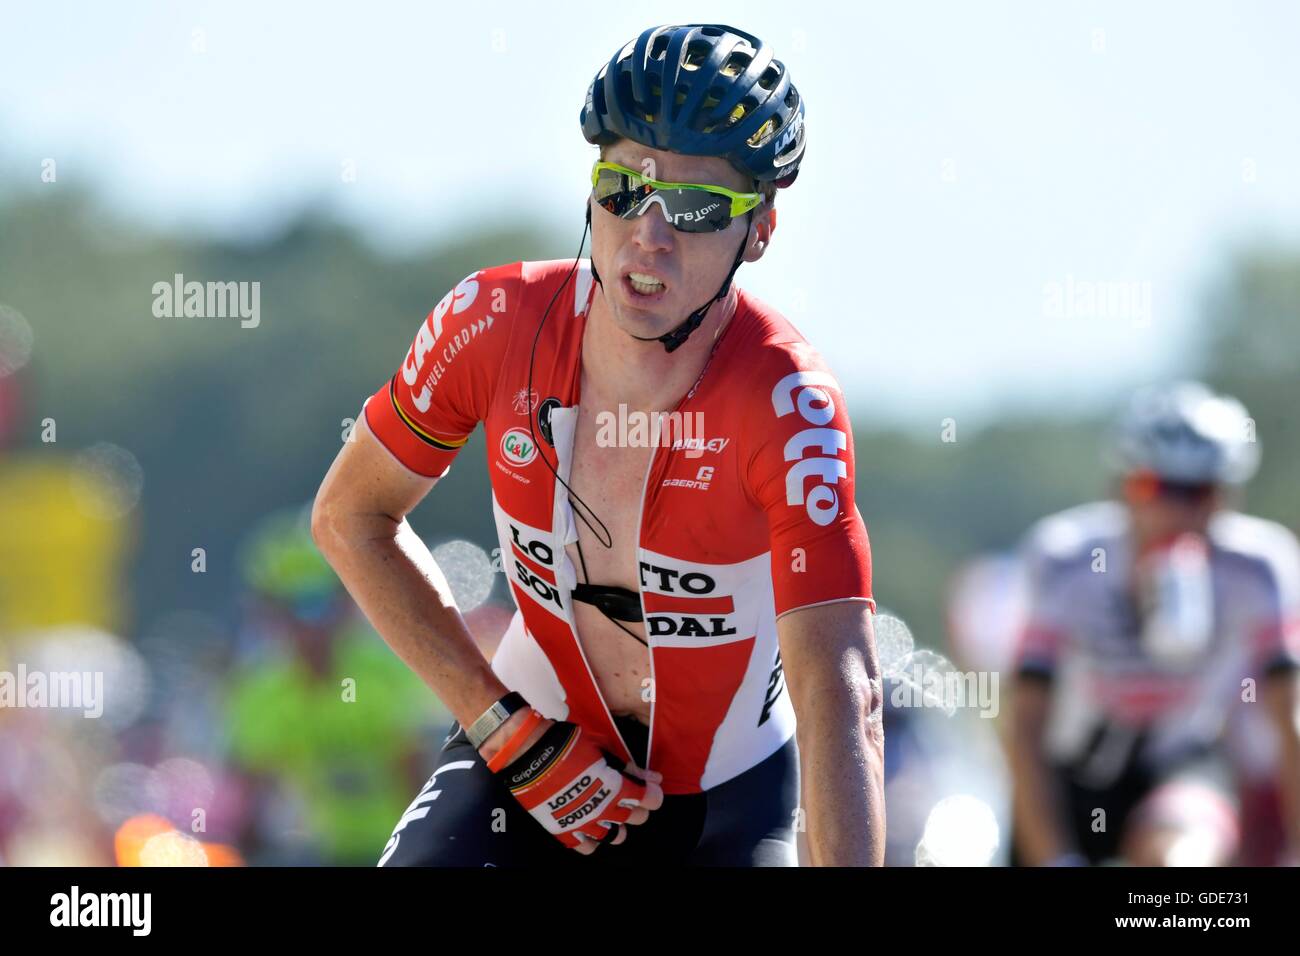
point(650, 229)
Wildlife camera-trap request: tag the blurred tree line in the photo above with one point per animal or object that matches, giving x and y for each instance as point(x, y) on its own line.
point(230, 423)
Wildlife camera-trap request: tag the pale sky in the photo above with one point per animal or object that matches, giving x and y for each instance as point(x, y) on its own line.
point(966, 161)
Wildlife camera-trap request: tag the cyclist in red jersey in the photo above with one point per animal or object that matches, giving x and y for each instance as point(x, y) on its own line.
point(674, 499)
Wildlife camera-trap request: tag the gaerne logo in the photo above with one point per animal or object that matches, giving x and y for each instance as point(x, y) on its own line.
point(517, 447)
point(700, 482)
point(809, 390)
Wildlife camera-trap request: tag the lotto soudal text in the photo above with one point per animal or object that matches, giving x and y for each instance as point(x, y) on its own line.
point(683, 626)
point(102, 909)
point(589, 791)
point(692, 582)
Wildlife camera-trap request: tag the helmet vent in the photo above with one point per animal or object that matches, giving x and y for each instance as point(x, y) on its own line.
point(769, 78)
point(736, 63)
point(743, 109)
point(766, 131)
point(659, 47)
point(624, 84)
point(696, 53)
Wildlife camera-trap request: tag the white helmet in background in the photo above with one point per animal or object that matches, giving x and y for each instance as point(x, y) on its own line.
point(1186, 434)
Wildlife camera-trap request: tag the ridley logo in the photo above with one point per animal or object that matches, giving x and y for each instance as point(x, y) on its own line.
point(695, 447)
point(517, 447)
point(822, 502)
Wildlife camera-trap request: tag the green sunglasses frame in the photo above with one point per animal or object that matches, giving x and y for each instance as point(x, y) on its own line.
point(741, 203)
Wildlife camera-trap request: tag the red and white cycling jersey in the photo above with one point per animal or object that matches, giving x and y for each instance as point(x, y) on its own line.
point(753, 518)
point(1082, 626)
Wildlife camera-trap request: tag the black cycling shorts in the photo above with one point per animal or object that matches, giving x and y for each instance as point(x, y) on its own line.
point(1081, 800)
point(464, 816)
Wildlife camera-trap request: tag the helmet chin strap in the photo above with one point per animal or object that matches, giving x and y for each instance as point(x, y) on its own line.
point(673, 340)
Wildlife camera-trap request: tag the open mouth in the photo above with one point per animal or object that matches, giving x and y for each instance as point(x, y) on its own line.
point(642, 287)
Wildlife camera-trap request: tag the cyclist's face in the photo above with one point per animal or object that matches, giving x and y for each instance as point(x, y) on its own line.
point(691, 266)
point(1157, 516)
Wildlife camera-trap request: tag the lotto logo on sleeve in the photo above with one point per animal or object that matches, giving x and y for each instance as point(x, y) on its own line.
point(808, 391)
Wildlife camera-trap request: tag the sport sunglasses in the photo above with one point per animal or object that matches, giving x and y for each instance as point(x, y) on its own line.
point(1190, 493)
point(1148, 485)
point(688, 207)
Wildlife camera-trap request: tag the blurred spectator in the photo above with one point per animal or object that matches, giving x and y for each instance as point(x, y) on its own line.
point(323, 719)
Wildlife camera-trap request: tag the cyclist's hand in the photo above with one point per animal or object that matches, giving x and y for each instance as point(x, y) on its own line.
point(571, 789)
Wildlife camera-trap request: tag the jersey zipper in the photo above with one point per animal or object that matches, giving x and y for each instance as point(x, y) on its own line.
point(572, 619)
point(640, 535)
point(640, 593)
point(567, 512)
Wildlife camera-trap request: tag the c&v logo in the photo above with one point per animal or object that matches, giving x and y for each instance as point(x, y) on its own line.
point(517, 447)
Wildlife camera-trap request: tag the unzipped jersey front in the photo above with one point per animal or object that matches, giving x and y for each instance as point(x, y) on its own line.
point(747, 510)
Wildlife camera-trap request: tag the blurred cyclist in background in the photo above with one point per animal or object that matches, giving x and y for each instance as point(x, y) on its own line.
point(322, 717)
point(1152, 621)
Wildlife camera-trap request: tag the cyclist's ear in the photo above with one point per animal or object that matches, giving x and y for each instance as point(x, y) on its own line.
point(761, 238)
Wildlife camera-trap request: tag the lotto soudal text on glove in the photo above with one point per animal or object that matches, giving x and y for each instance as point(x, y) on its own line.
point(568, 784)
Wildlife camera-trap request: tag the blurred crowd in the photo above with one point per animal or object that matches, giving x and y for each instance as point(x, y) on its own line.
point(296, 739)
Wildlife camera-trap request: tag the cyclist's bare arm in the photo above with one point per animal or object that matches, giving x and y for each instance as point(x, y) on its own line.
point(1040, 834)
point(834, 682)
point(1281, 694)
point(359, 523)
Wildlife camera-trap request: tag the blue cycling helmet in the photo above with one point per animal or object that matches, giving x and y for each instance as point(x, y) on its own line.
point(701, 89)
